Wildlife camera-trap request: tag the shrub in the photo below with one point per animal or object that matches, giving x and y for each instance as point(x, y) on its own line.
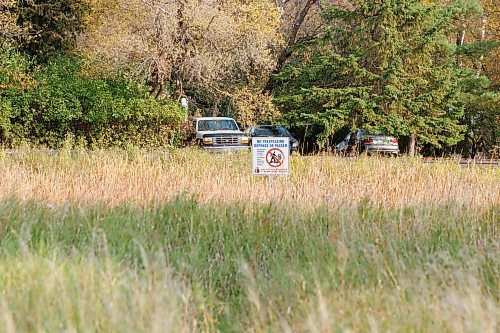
point(253, 107)
point(93, 110)
point(14, 81)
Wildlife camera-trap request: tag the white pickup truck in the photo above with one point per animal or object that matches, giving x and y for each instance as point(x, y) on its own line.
point(219, 133)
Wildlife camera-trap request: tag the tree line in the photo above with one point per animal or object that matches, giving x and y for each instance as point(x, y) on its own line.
point(108, 72)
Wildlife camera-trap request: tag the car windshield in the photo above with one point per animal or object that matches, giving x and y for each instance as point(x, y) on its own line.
point(364, 133)
point(217, 125)
point(373, 133)
point(272, 131)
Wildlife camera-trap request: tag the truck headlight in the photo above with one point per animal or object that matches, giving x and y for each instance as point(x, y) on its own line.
point(208, 141)
point(244, 139)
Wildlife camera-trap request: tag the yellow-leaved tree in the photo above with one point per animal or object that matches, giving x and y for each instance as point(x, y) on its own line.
point(491, 31)
point(203, 46)
point(8, 27)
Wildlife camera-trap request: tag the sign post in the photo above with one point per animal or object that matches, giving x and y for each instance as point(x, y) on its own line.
point(271, 156)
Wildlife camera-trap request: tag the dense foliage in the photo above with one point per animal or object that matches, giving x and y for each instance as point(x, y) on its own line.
point(58, 102)
point(51, 26)
point(425, 71)
point(385, 66)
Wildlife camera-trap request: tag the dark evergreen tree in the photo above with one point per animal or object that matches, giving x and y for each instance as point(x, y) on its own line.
point(480, 98)
point(481, 102)
point(384, 65)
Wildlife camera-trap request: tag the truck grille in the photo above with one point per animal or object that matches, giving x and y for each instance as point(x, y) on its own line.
point(227, 140)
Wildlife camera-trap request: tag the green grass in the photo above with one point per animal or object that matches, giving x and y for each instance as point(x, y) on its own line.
point(187, 266)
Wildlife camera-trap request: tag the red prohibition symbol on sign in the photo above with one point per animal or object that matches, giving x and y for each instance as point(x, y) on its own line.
point(275, 157)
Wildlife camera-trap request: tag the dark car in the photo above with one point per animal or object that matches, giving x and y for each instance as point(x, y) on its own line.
point(369, 142)
point(271, 130)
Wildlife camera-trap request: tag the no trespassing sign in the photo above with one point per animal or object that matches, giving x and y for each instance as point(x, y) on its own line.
point(271, 156)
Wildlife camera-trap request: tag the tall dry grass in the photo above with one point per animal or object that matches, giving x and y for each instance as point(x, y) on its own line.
point(94, 242)
point(140, 178)
point(87, 295)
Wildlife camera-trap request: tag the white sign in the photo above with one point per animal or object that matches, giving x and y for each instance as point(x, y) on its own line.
point(271, 155)
point(185, 105)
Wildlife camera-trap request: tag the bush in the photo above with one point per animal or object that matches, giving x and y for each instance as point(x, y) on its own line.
point(94, 111)
point(253, 107)
point(14, 81)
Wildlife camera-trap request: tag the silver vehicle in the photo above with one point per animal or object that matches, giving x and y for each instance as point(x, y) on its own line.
point(220, 134)
point(364, 141)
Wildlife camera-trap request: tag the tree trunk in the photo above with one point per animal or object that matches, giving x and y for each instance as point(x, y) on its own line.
point(483, 35)
point(155, 83)
point(291, 41)
point(412, 144)
point(460, 41)
point(162, 92)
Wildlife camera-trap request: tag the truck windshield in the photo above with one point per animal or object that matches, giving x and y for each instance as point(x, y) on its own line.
point(217, 125)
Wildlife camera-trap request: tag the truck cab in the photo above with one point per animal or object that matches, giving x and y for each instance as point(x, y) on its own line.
point(219, 133)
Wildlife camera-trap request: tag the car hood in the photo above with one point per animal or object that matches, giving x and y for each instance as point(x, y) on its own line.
point(292, 139)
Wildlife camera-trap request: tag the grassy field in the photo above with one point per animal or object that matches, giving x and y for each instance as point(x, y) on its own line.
point(135, 241)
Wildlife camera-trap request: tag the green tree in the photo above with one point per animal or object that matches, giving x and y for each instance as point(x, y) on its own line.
point(327, 90)
point(477, 55)
point(385, 65)
point(481, 102)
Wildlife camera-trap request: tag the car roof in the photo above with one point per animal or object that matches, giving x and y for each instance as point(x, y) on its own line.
point(266, 126)
point(213, 118)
